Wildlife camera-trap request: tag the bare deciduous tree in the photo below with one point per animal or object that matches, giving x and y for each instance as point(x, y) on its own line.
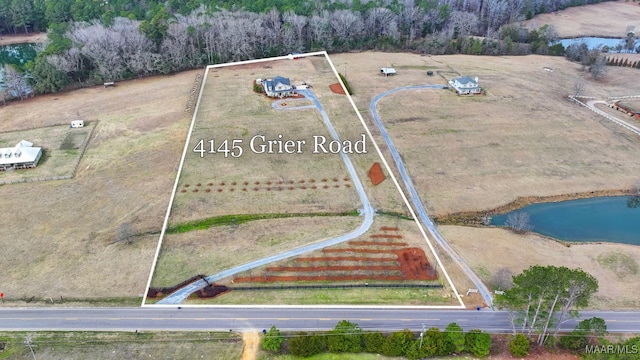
point(519, 222)
point(15, 83)
point(503, 279)
point(578, 86)
point(598, 69)
point(124, 233)
point(320, 26)
point(462, 24)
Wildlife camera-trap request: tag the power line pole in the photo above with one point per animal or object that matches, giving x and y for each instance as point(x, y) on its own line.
point(28, 342)
point(424, 329)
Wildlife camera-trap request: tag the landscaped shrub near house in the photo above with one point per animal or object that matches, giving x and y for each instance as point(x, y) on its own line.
point(257, 87)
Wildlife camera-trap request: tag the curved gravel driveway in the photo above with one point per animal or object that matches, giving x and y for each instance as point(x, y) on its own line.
point(415, 198)
point(367, 211)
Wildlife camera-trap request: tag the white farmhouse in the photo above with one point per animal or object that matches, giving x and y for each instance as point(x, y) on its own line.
point(22, 156)
point(278, 87)
point(466, 85)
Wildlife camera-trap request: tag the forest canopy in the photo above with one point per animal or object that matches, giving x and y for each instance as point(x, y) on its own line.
point(91, 41)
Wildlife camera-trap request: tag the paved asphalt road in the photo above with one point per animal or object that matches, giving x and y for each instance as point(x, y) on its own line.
point(243, 319)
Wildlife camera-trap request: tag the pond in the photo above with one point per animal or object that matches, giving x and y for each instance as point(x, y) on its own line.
point(594, 42)
point(608, 219)
point(16, 54)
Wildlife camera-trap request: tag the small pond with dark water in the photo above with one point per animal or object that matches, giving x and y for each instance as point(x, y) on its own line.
point(16, 54)
point(608, 219)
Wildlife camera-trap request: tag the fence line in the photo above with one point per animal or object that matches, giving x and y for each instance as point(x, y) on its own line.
point(85, 143)
point(83, 147)
point(34, 127)
point(623, 97)
point(337, 286)
point(194, 93)
point(607, 116)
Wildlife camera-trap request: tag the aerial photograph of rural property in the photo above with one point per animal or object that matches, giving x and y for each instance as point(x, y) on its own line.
point(298, 179)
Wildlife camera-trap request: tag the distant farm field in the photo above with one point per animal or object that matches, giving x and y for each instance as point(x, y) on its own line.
point(62, 148)
point(523, 138)
point(60, 239)
point(606, 19)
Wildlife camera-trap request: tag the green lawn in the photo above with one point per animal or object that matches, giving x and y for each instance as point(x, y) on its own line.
point(121, 345)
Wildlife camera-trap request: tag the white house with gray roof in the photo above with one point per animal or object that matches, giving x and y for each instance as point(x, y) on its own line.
point(466, 85)
point(278, 87)
point(22, 156)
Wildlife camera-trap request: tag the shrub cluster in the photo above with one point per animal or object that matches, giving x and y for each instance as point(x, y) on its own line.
point(348, 337)
point(623, 62)
point(346, 84)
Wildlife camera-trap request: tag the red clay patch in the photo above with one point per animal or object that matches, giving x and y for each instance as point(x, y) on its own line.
point(337, 88)
point(375, 174)
point(384, 236)
point(343, 258)
point(374, 243)
point(386, 228)
point(413, 265)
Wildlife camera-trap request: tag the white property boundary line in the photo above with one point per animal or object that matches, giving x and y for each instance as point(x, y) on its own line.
point(384, 161)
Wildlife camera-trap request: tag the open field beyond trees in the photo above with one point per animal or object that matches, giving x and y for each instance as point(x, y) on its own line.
point(606, 19)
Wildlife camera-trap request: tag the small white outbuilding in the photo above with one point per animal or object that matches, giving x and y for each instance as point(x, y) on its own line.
point(77, 124)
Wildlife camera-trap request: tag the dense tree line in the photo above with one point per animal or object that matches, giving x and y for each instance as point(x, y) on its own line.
point(92, 41)
point(30, 15)
point(348, 337)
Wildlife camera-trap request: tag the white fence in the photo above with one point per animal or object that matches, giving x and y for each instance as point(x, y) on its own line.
point(607, 116)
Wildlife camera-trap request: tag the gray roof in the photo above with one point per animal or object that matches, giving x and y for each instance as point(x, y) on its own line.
point(270, 84)
point(466, 80)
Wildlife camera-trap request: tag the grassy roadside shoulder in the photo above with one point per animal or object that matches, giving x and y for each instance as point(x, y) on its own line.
point(122, 345)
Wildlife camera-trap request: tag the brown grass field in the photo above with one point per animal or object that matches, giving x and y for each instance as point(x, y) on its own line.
point(472, 153)
point(59, 240)
point(21, 38)
point(606, 19)
point(212, 185)
point(523, 138)
point(271, 183)
point(410, 236)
